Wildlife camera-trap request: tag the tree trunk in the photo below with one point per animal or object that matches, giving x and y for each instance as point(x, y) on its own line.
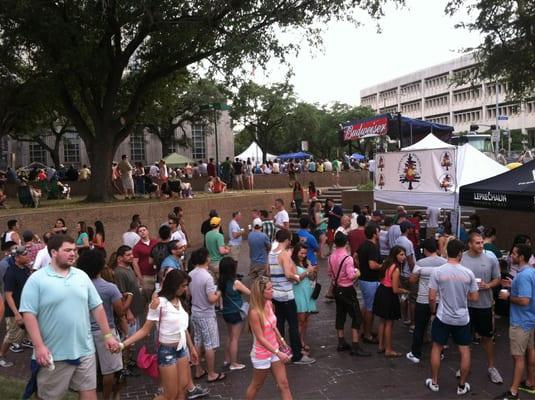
point(167, 143)
point(100, 154)
point(54, 154)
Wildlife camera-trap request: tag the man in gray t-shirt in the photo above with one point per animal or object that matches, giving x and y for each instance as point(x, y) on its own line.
point(455, 285)
point(486, 269)
point(421, 273)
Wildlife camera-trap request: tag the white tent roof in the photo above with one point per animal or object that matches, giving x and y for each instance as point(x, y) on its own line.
point(428, 143)
point(254, 152)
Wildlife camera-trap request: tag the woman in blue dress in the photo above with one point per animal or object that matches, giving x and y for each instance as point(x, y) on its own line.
point(303, 291)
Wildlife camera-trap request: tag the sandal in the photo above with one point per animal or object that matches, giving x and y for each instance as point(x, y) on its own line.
point(201, 375)
point(379, 351)
point(220, 377)
point(393, 355)
point(306, 348)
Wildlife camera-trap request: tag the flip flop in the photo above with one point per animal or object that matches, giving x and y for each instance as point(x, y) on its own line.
point(380, 351)
point(201, 375)
point(220, 377)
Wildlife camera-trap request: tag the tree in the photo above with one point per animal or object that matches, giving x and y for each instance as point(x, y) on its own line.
point(263, 112)
point(105, 56)
point(507, 51)
point(177, 103)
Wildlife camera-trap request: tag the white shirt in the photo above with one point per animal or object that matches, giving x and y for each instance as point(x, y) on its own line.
point(173, 323)
point(342, 229)
point(154, 171)
point(130, 239)
point(234, 227)
point(42, 259)
point(354, 224)
point(280, 218)
point(178, 235)
point(371, 166)
point(432, 217)
point(327, 166)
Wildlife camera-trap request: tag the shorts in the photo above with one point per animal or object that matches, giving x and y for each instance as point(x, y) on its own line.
point(520, 340)
point(55, 384)
point(235, 252)
point(109, 362)
point(205, 332)
point(368, 289)
point(347, 303)
point(481, 321)
point(14, 332)
point(168, 355)
point(233, 318)
point(213, 268)
point(440, 333)
point(330, 235)
point(127, 182)
point(264, 363)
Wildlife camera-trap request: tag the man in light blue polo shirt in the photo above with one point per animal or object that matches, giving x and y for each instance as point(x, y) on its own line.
point(235, 235)
point(55, 303)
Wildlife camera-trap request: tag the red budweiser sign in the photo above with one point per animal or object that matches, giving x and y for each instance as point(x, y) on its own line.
point(363, 129)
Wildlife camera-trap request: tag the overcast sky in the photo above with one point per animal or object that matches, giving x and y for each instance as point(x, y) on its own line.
point(413, 38)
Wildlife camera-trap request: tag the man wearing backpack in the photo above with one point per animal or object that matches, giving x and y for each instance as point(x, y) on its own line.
point(160, 251)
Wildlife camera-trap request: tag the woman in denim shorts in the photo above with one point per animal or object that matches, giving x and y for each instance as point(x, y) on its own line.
point(173, 336)
point(231, 291)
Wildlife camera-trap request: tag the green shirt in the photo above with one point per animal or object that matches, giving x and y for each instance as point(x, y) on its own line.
point(214, 240)
point(61, 306)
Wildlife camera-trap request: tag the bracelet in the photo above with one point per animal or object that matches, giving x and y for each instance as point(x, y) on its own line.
point(108, 335)
point(129, 293)
point(276, 352)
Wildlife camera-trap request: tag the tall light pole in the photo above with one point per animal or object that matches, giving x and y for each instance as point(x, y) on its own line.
point(216, 107)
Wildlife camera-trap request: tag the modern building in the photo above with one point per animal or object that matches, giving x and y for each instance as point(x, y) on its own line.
point(433, 94)
point(144, 147)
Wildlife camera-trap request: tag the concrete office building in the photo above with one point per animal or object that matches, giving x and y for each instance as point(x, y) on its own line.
point(431, 95)
point(143, 147)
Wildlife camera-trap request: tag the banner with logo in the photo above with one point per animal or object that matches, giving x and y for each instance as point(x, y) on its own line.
point(420, 178)
point(363, 129)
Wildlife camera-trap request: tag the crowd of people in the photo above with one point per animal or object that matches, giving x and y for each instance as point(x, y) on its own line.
point(83, 307)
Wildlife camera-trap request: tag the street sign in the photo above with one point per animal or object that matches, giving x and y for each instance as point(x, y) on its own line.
point(503, 118)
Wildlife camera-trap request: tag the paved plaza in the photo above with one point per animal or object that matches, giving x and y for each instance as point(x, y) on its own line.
point(339, 375)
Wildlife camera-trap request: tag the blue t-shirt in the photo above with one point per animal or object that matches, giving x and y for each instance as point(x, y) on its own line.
point(258, 247)
point(524, 286)
point(61, 305)
point(307, 238)
point(109, 293)
point(171, 262)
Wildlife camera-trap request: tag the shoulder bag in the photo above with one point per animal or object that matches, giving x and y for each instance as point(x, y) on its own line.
point(148, 362)
point(336, 289)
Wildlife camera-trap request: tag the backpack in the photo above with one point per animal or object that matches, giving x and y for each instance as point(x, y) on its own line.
point(158, 254)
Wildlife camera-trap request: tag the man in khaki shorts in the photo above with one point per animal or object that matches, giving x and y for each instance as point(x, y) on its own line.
point(55, 304)
point(522, 320)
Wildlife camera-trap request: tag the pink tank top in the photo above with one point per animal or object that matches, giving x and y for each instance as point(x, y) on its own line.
point(270, 321)
point(387, 280)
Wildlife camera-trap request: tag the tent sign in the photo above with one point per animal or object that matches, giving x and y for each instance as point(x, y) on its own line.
point(369, 128)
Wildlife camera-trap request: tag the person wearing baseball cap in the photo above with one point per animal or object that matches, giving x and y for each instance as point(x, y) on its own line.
point(259, 246)
point(215, 243)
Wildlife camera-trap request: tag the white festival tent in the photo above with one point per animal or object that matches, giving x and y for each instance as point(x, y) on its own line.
point(254, 152)
point(430, 173)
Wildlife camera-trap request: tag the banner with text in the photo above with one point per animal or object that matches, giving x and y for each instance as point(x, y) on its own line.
point(364, 129)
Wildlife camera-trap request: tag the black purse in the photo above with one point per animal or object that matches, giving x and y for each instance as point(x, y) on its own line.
point(316, 292)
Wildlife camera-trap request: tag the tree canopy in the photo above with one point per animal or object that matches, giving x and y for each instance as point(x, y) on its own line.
point(507, 51)
point(105, 56)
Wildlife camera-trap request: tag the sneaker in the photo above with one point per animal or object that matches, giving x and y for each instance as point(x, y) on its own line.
point(507, 396)
point(412, 357)
point(527, 388)
point(495, 376)
point(198, 391)
point(16, 348)
point(411, 329)
point(458, 374)
point(431, 386)
point(4, 363)
point(305, 360)
point(236, 367)
point(27, 343)
point(462, 390)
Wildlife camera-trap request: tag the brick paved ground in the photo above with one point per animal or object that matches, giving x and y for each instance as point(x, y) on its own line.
point(340, 376)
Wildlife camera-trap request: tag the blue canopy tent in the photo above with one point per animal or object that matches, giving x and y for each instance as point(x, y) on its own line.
point(357, 156)
point(301, 155)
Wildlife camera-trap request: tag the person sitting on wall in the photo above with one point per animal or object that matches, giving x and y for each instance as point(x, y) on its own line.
point(219, 185)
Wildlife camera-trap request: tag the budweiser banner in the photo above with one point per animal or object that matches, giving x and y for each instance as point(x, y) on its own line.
point(363, 129)
point(421, 175)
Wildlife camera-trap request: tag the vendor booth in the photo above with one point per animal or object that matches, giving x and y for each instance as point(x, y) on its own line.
point(255, 153)
point(512, 190)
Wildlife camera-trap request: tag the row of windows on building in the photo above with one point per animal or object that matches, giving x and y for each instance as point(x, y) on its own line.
point(411, 107)
point(72, 141)
point(436, 81)
point(439, 119)
point(436, 102)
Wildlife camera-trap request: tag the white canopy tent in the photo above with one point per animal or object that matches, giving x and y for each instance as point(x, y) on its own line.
point(255, 153)
point(429, 142)
point(423, 175)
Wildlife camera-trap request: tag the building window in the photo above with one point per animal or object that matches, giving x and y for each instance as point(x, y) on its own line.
point(198, 142)
point(137, 147)
point(37, 153)
point(71, 148)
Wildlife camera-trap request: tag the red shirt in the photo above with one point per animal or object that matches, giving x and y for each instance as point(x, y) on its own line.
point(142, 251)
point(356, 237)
point(210, 169)
point(414, 236)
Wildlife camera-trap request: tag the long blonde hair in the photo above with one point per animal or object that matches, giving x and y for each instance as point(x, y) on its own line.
point(257, 299)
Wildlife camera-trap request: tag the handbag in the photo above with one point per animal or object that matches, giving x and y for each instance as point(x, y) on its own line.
point(335, 282)
point(148, 362)
point(243, 310)
point(316, 291)
point(283, 348)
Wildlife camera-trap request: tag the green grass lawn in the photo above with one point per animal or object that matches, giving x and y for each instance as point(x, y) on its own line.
point(12, 389)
